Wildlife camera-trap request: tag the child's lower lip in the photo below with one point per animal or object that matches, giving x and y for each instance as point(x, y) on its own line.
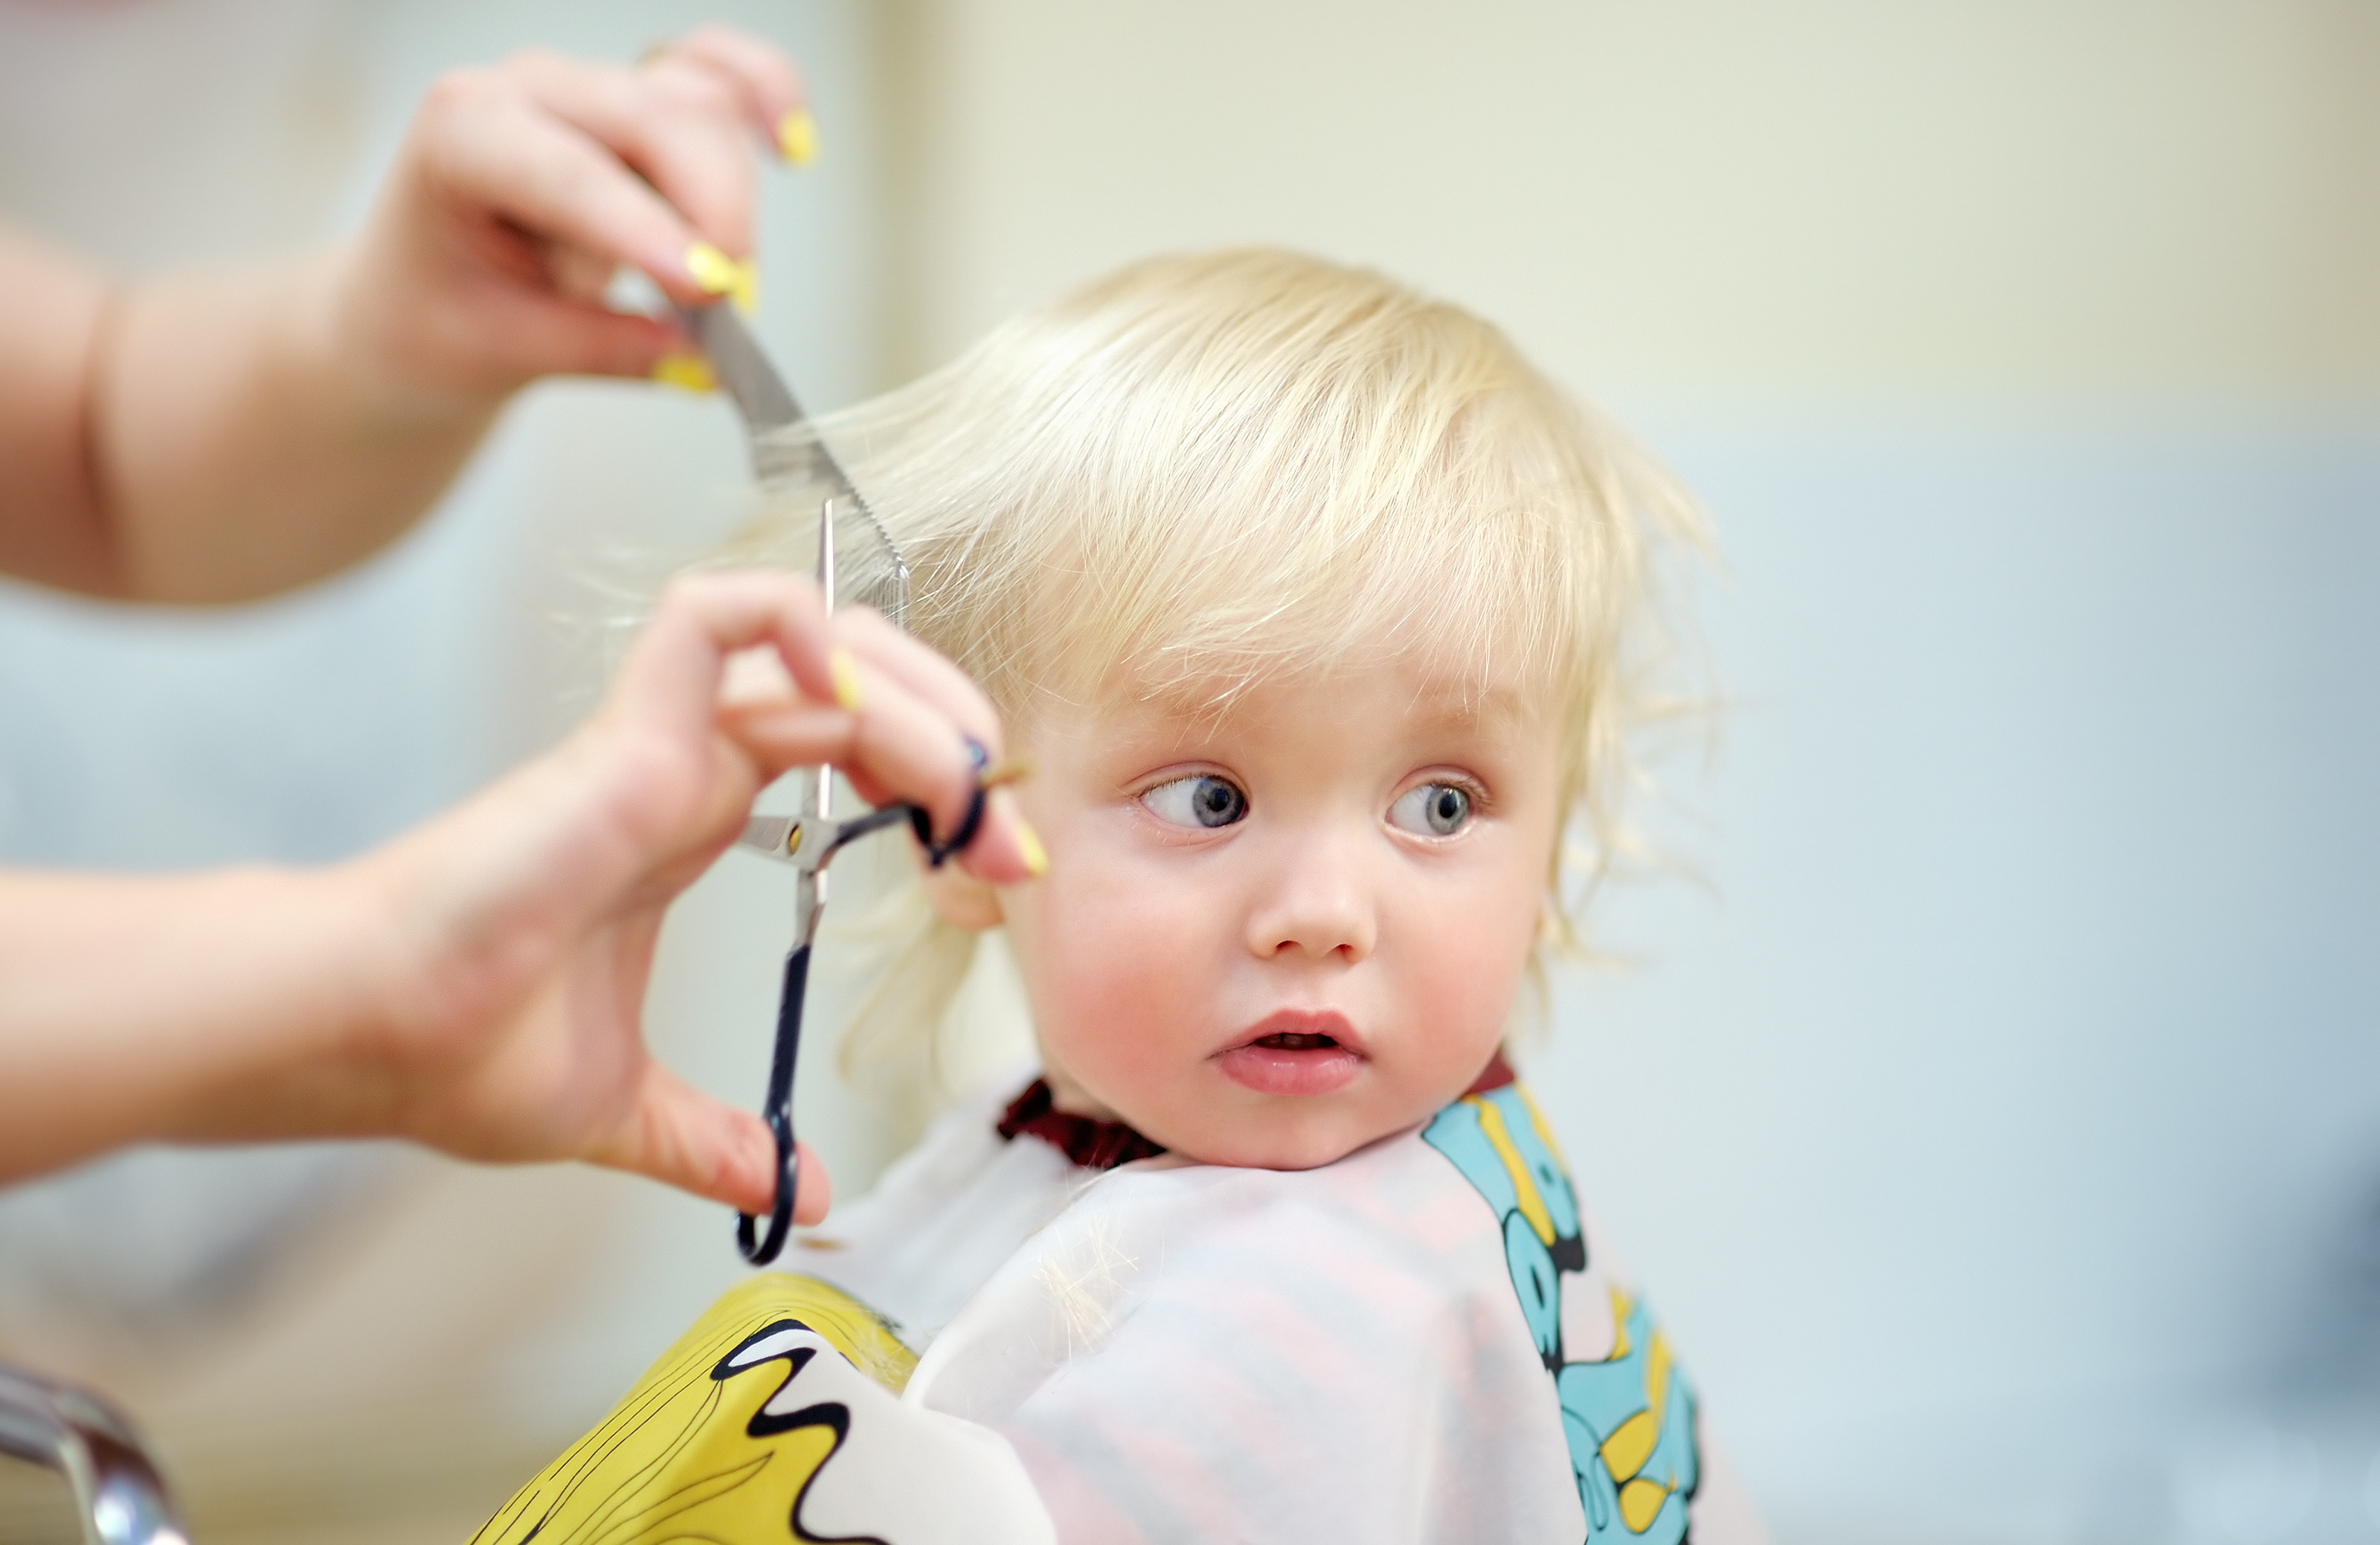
point(1277, 1070)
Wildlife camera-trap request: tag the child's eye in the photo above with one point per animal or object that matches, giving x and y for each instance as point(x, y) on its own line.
point(1201, 800)
point(1431, 810)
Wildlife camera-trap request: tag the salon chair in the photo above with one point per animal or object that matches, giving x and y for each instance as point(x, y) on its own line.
point(118, 1495)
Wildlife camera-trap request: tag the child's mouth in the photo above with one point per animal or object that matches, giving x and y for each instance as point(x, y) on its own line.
point(1295, 1052)
point(1287, 1043)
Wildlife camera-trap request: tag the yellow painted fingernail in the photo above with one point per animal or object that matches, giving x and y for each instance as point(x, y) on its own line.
point(1028, 843)
point(713, 272)
point(688, 372)
point(745, 292)
point(845, 672)
point(798, 137)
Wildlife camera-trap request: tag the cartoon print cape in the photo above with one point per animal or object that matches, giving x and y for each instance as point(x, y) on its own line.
point(1421, 1342)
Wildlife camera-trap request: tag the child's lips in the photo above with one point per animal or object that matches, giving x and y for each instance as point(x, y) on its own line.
point(1295, 1052)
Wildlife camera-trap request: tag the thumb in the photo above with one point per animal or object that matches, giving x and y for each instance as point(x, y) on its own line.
point(681, 1137)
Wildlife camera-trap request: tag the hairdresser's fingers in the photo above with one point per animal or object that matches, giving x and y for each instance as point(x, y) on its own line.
point(1009, 850)
point(480, 143)
point(779, 736)
point(767, 80)
point(547, 334)
point(924, 670)
point(782, 734)
point(685, 127)
point(891, 744)
point(890, 741)
point(902, 741)
point(684, 1137)
point(673, 674)
point(906, 746)
point(892, 738)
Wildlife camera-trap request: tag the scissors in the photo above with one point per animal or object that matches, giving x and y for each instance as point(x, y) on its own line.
point(783, 455)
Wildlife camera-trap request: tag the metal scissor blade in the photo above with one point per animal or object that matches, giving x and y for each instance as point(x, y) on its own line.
point(771, 834)
point(809, 840)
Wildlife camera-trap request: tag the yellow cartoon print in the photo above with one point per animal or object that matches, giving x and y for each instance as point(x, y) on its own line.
point(1626, 1412)
point(776, 1419)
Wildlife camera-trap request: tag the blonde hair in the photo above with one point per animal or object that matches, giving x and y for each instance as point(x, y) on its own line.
point(1202, 472)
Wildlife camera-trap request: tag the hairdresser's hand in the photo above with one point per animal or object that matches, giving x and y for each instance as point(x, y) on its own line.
point(211, 437)
point(521, 187)
point(527, 918)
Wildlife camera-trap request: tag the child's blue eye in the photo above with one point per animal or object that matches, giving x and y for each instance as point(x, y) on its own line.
point(1431, 810)
point(1200, 800)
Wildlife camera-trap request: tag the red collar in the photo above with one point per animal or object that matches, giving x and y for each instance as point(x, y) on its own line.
point(1495, 1076)
point(1088, 1142)
point(1102, 1145)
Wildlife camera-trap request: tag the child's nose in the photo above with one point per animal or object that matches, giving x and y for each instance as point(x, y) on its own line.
point(1316, 903)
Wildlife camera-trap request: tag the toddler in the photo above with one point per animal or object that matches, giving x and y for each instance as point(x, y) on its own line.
point(1326, 621)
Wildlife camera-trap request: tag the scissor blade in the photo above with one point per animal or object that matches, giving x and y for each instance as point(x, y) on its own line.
point(771, 834)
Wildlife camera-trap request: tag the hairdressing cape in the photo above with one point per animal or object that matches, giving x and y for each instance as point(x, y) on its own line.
point(1421, 1342)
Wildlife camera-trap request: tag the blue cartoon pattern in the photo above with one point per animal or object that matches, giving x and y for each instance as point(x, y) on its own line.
point(1627, 1413)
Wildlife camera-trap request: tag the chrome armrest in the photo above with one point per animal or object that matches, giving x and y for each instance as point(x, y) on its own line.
point(119, 1493)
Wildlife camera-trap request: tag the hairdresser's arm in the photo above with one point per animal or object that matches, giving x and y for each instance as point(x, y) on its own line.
point(479, 984)
point(214, 437)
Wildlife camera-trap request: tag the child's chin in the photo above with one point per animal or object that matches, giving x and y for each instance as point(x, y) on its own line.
point(1308, 1144)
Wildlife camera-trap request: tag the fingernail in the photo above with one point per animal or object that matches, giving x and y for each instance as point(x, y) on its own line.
point(1028, 843)
point(712, 271)
point(845, 672)
point(745, 292)
point(688, 372)
point(798, 137)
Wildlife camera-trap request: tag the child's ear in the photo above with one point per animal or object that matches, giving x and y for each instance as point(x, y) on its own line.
point(962, 900)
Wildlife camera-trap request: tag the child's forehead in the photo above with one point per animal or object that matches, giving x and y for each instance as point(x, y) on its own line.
point(1414, 696)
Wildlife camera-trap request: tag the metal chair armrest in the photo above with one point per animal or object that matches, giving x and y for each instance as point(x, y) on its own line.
point(118, 1494)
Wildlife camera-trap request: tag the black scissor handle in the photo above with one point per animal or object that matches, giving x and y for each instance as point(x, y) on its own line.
point(779, 1113)
point(940, 853)
point(761, 1248)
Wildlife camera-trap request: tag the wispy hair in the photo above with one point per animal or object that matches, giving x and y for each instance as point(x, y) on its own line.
point(1206, 471)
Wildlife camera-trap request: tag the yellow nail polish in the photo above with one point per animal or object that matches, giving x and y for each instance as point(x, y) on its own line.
point(845, 672)
point(798, 137)
point(712, 271)
point(1028, 843)
point(688, 372)
point(745, 292)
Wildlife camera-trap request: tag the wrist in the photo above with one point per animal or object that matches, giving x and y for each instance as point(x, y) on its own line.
point(353, 1010)
point(358, 324)
point(470, 915)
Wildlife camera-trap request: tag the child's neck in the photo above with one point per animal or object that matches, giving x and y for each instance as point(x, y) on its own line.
point(1071, 1097)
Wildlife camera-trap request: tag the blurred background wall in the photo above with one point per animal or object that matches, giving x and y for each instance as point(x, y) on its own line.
point(1991, 1104)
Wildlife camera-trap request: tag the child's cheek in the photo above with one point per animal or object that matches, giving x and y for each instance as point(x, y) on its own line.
point(1466, 962)
point(1118, 963)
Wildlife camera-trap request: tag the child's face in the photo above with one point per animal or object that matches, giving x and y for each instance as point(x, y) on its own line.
point(1271, 936)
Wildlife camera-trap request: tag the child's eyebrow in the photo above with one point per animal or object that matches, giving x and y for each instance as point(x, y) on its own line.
point(1184, 714)
point(1470, 705)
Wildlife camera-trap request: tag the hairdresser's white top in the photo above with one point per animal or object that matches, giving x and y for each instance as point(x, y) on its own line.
point(1422, 1341)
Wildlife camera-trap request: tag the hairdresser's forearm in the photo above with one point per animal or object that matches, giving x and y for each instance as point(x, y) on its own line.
point(52, 307)
point(222, 1006)
point(244, 440)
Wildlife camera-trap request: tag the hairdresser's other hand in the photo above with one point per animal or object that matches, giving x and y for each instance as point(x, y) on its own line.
point(521, 187)
point(529, 917)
